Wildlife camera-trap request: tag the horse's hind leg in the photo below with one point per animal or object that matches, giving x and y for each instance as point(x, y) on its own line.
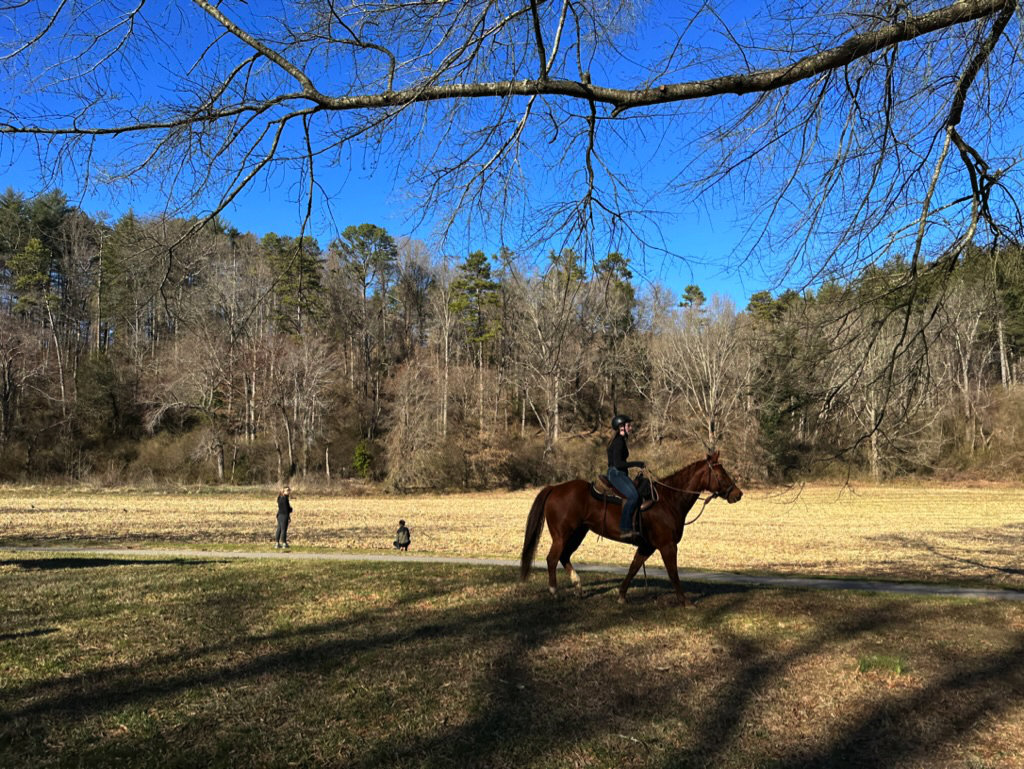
point(572, 544)
point(557, 544)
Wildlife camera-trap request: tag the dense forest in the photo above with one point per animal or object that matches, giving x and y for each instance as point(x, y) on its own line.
point(149, 349)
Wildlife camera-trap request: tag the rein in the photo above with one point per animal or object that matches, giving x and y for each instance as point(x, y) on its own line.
point(700, 513)
point(706, 500)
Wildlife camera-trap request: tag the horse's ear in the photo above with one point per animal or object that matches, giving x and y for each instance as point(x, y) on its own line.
point(713, 457)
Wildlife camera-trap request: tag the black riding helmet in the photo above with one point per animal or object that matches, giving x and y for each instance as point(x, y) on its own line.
point(619, 420)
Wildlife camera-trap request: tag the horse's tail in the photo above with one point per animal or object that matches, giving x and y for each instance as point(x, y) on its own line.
point(534, 525)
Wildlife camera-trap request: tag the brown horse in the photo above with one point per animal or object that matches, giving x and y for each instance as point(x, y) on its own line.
point(571, 511)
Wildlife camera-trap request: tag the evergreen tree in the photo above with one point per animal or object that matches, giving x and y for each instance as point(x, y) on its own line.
point(474, 299)
point(297, 270)
point(693, 297)
point(475, 302)
point(616, 308)
point(366, 259)
point(30, 276)
point(14, 224)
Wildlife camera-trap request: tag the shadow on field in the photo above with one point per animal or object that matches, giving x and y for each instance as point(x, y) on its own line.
point(900, 729)
point(27, 633)
point(134, 539)
point(659, 590)
point(436, 666)
point(993, 551)
point(45, 564)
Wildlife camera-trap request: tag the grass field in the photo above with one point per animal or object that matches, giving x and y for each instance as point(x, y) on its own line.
point(966, 536)
point(170, 662)
point(148, 661)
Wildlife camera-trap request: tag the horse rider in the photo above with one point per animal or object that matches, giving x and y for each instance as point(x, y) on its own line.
point(618, 475)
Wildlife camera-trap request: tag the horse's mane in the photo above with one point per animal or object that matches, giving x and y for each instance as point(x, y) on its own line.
point(684, 473)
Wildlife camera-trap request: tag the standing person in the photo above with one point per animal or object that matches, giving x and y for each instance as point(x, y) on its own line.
point(402, 538)
point(618, 475)
point(284, 516)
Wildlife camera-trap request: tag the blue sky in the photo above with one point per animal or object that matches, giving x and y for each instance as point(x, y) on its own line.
point(703, 244)
point(700, 236)
point(704, 241)
point(699, 241)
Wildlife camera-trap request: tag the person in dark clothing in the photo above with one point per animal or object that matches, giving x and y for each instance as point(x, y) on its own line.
point(284, 516)
point(618, 475)
point(402, 537)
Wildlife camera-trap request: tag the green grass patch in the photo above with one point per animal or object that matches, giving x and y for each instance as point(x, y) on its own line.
point(147, 661)
point(882, 663)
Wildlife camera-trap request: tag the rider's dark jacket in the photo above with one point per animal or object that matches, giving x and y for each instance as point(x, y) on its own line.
point(618, 453)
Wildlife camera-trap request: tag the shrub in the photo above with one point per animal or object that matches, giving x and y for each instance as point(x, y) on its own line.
point(163, 457)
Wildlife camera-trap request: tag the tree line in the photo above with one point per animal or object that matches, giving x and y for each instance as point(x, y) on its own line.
point(163, 349)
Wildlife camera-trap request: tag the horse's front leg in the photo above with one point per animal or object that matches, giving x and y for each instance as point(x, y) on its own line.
point(642, 554)
point(574, 578)
point(668, 555)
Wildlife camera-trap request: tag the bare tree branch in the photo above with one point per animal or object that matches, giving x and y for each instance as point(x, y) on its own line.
point(824, 118)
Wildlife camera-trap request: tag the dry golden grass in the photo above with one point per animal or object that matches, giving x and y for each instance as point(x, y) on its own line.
point(928, 532)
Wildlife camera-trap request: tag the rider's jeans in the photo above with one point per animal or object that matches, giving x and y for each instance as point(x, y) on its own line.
point(621, 481)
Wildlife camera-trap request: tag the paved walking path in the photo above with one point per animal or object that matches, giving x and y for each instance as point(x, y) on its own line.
point(712, 577)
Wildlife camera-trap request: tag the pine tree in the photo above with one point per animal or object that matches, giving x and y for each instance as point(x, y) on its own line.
point(297, 268)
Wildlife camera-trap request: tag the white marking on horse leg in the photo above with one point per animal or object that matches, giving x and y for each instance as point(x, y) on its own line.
point(573, 576)
point(575, 579)
point(553, 591)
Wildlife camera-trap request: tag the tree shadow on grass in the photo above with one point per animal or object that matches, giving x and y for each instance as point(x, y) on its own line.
point(520, 705)
point(533, 681)
point(89, 562)
point(118, 685)
point(909, 728)
point(325, 646)
point(899, 729)
point(992, 550)
point(656, 590)
point(35, 633)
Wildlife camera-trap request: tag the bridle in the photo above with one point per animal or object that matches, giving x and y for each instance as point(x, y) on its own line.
point(732, 484)
point(724, 494)
point(710, 466)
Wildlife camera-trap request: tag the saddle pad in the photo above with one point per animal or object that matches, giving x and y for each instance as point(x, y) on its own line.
point(600, 496)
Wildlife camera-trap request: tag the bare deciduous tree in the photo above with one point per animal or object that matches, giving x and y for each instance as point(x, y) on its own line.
point(966, 355)
point(554, 335)
point(697, 354)
point(840, 133)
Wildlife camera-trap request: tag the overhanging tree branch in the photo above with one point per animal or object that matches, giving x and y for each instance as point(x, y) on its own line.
point(485, 106)
point(620, 99)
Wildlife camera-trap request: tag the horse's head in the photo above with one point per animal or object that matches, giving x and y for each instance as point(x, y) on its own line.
point(720, 482)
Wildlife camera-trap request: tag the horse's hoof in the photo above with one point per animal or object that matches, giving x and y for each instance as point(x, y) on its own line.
point(553, 591)
point(621, 599)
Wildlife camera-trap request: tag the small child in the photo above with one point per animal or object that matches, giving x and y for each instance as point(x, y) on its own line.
point(402, 538)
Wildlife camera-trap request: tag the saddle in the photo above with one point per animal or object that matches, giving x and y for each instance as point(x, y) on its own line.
point(602, 490)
